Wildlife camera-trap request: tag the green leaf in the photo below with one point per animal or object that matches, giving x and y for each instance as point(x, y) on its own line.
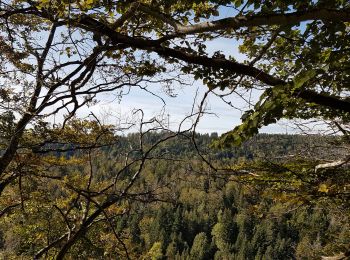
point(303, 77)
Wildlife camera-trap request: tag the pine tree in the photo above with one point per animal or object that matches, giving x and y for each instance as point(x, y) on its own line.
point(200, 247)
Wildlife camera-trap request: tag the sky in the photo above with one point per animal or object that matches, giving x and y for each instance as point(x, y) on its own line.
point(220, 117)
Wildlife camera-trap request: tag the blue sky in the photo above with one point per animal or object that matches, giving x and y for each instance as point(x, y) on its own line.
point(220, 118)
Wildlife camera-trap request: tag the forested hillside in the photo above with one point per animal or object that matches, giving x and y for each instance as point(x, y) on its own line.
point(181, 208)
point(77, 76)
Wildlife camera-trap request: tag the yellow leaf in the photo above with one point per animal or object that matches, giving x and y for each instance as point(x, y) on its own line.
point(323, 188)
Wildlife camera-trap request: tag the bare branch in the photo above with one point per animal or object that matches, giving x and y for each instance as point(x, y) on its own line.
point(341, 256)
point(335, 164)
point(51, 245)
point(8, 209)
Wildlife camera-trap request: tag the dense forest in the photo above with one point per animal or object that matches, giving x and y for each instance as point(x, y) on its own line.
point(181, 208)
point(89, 171)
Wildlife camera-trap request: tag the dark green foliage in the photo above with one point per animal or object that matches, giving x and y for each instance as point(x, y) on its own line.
point(187, 211)
point(212, 217)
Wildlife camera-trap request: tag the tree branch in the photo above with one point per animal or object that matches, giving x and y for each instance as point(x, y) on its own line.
point(90, 24)
point(51, 245)
point(121, 20)
point(8, 209)
point(237, 22)
point(341, 256)
point(332, 164)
